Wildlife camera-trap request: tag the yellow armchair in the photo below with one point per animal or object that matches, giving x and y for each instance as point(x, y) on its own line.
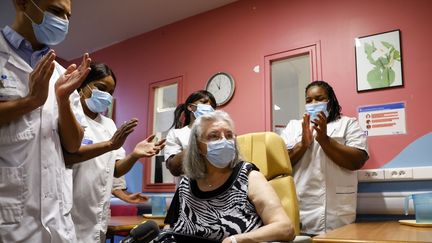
point(268, 152)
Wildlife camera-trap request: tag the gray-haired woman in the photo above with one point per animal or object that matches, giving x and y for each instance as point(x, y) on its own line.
point(221, 197)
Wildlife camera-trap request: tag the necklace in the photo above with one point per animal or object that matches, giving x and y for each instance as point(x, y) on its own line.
point(208, 184)
point(216, 179)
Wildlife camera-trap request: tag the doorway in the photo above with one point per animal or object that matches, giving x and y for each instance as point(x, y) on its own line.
point(289, 74)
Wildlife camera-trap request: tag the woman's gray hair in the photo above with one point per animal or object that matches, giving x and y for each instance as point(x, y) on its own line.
point(194, 165)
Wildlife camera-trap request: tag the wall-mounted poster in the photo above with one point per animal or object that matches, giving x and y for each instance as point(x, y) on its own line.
point(385, 119)
point(378, 61)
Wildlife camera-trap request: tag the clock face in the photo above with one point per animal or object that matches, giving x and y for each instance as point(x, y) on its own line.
point(221, 85)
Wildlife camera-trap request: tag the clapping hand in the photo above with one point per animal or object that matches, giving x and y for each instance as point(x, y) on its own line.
point(147, 148)
point(307, 137)
point(320, 126)
point(122, 133)
point(72, 78)
point(39, 78)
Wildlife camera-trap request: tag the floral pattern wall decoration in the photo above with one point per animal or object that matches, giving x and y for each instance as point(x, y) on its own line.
point(379, 61)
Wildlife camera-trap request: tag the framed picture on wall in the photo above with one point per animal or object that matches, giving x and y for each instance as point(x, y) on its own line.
point(378, 61)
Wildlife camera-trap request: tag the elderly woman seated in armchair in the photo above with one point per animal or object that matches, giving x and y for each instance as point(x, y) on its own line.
point(221, 197)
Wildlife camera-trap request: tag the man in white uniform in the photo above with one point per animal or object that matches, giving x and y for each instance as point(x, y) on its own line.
point(36, 122)
point(325, 149)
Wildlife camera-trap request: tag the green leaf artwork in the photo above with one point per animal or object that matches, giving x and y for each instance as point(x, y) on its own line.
point(383, 59)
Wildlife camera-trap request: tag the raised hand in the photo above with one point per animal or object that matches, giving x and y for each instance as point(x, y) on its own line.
point(122, 133)
point(147, 148)
point(307, 137)
point(320, 126)
point(40, 77)
point(72, 78)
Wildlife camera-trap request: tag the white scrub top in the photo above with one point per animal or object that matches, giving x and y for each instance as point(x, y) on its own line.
point(177, 140)
point(327, 193)
point(35, 185)
point(93, 181)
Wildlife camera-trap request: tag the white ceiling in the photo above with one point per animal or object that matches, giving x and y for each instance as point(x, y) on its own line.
point(96, 24)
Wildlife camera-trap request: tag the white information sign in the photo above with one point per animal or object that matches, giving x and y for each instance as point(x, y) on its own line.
point(385, 119)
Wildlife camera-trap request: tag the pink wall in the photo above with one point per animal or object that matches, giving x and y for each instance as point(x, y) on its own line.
point(235, 38)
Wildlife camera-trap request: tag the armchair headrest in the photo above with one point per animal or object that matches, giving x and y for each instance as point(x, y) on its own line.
point(267, 151)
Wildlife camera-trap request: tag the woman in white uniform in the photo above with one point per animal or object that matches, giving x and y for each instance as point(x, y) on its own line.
point(36, 121)
point(177, 140)
point(325, 149)
point(102, 154)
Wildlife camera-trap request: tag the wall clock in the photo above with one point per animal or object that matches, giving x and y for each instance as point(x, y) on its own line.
point(222, 86)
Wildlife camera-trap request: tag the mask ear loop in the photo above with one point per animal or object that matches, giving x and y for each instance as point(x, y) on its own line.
point(82, 91)
point(30, 18)
point(38, 9)
point(36, 6)
point(88, 86)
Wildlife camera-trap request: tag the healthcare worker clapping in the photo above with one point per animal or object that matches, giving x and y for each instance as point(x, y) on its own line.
point(101, 155)
point(325, 149)
point(36, 122)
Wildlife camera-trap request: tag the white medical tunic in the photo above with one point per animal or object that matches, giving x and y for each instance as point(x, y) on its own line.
point(35, 185)
point(177, 140)
point(93, 181)
point(327, 193)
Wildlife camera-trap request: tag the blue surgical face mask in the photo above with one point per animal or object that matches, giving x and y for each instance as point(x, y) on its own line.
point(202, 109)
point(99, 101)
point(221, 152)
point(52, 30)
point(314, 109)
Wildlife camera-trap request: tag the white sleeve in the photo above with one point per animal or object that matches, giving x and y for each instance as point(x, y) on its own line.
point(290, 134)
point(120, 154)
point(172, 145)
point(77, 109)
point(355, 136)
point(119, 183)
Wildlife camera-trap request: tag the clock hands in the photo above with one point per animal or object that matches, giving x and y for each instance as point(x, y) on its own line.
point(218, 83)
point(222, 87)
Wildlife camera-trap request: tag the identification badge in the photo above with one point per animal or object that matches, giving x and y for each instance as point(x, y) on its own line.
point(87, 141)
